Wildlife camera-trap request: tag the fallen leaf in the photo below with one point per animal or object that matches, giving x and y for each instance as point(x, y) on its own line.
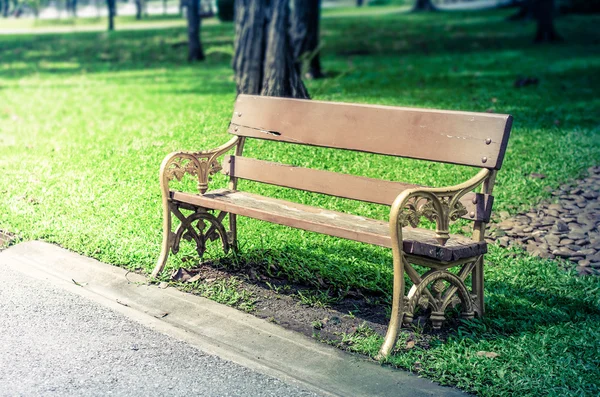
point(181, 275)
point(122, 303)
point(410, 344)
point(161, 315)
point(194, 279)
point(487, 354)
point(537, 175)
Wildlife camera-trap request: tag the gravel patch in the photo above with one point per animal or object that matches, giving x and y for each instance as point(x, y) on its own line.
point(568, 229)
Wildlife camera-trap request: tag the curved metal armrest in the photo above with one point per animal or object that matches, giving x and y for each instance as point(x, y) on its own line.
point(201, 164)
point(440, 205)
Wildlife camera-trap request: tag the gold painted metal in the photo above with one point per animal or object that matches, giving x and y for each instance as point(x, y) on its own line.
point(442, 206)
point(436, 290)
point(439, 205)
point(202, 165)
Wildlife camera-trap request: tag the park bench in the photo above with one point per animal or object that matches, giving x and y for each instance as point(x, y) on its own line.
point(471, 139)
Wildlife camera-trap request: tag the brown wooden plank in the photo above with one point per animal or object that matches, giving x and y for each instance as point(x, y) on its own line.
point(340, 185)
point(352, 227)
point(466, 138)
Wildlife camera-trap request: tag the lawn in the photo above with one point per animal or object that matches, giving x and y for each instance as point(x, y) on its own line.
point(86, 118)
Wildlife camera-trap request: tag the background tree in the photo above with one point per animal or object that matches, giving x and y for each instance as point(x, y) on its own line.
point(543, 11)
point(423, 5)
point(195, 52)
point(71, 6)
point(359, 3)
point(5, 8)
point(264, 58)
point(524, 11)
point(304, 32)
point(139, 8)
point(112, 8)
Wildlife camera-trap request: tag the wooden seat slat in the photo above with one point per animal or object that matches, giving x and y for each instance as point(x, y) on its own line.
point(340, 185)
point(466, 138)
point(420, 242)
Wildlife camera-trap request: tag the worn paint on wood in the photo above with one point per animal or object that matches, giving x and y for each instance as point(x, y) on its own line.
point(466, 138)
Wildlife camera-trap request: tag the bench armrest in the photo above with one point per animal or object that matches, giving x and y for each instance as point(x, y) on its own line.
point(201, 164)
point(440, 205)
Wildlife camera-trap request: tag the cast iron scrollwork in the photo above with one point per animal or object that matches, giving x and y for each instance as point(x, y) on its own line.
point(439, 205)
point(202, 165)
point(200, 227)
point(445, 290)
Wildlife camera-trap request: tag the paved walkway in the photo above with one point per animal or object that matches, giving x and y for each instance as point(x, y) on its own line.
point(57, 343)
point(75, 326)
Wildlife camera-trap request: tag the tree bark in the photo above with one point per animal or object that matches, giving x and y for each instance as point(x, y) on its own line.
point(72, 7)
point(111, 13)
point(423, 5)
point(304, 32)
point(5, 8)
point(543, 10)
point(523, 13)
point(138, 9)
point(195, 52)
point(264, 57)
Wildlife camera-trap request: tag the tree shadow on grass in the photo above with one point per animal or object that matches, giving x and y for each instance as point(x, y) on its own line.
point(450, 35)
point(93, 52)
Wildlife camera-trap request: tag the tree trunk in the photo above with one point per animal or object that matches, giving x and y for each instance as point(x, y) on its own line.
point(359, 3)
point(423, 5)
point(304, 33)
point(164, 7)
point(523, 13)
point(264, 57)
point(193, 19)
point(138, 9)
point(111, 13)
point(5, 8)
point(74, 8)
point(543, 10)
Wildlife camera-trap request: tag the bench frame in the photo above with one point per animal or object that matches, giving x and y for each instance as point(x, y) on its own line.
point(439, 205)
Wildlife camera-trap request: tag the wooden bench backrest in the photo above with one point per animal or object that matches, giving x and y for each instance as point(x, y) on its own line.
point(472, 139)
point(465, 138)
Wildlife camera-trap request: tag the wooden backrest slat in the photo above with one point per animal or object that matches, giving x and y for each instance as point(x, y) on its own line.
point(466, 138)
point(340, 185)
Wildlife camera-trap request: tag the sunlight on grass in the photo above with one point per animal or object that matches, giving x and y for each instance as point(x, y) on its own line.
point(86, 119)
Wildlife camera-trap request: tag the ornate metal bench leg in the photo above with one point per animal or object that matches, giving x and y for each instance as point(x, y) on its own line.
point(200, 227)
point(167, 241)
point(397, 306)
point(477, 287)
point(233, 231)
point(447, 289)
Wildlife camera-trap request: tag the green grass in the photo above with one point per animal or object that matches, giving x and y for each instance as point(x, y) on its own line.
point(86, 118)
point(121, 22)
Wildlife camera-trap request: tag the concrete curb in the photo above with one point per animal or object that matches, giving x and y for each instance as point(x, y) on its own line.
point(216, 329)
